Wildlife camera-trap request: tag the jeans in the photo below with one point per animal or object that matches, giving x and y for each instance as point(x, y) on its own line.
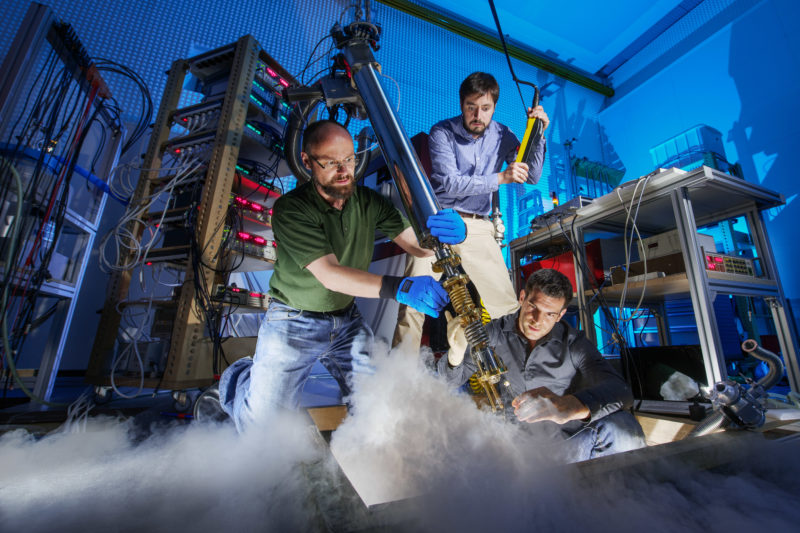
point(290, 342)
point(615, 433)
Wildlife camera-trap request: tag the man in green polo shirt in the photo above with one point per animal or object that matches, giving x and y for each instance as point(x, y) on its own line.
point(325, 234)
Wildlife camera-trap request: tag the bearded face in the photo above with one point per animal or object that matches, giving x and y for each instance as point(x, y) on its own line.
point(332, 162)
point(477, 111)
point(339, 186)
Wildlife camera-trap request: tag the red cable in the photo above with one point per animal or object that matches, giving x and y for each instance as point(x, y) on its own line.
point(62, 173)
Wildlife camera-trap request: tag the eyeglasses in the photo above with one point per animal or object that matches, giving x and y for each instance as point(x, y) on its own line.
point(334, 163)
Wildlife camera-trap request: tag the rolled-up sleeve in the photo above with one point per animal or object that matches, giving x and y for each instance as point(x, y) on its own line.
point(536, 161)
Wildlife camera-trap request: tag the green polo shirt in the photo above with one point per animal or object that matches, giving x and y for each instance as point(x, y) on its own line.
point(306, 228)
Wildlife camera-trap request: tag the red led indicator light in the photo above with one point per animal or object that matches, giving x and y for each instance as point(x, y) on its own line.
point(244, 236)
point(283, 82)
point(272, 72)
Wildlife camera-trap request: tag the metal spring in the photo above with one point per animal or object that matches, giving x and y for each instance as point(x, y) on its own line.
point(476, 334)
point(460, 298)
point(475, 386)
point(485, 318)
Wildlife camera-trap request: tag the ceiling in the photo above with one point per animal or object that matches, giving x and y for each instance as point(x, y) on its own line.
point(591, 36)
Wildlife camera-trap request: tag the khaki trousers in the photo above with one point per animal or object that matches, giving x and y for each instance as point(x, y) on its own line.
point(483, 262)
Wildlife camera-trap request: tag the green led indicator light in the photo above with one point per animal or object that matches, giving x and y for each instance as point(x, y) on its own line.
point(254, 129)
point(242, 169)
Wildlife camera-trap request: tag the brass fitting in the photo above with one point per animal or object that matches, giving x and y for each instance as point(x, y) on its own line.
point(490, 369)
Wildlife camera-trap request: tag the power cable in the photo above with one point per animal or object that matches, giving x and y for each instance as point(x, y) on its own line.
point(9, 254)
point(517, 81)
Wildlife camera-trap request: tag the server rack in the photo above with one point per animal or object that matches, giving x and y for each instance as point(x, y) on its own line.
point(238, 128)
point(62, 160)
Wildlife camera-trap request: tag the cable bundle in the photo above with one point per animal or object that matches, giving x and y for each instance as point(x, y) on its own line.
point(42, 146)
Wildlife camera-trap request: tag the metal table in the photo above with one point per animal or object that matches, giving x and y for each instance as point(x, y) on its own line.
point(675, 199)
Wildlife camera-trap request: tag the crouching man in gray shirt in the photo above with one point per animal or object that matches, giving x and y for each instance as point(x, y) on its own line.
point(569, 388)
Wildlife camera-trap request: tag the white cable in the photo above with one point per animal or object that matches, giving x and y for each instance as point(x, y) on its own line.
point(124, 239)
point(134, 345)
point(169, 190)
point(78, 414)
point(159, 268)
point(397, 107)
point(627, 245)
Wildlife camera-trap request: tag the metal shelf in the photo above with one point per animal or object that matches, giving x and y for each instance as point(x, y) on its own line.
point(676, 286)
point(38, 36)
point(713, 195)
point(675, 199)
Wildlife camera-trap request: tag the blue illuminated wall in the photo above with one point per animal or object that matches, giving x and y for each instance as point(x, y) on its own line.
point(427, 62)
point(738, 71)
point(732, 65)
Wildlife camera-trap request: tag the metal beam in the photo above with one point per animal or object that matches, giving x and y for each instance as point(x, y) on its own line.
point(491, 41)
point(702, 299)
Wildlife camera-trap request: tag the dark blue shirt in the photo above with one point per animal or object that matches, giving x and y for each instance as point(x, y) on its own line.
point(564, 361)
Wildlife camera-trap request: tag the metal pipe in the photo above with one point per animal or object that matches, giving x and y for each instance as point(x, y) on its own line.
point(420, 203)
point(734, 403)
point(709, 424)
point(773, 361)
point(401, 159)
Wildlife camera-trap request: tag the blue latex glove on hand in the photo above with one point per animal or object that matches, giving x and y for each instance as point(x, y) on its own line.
point(423, 293)
point(447, 226)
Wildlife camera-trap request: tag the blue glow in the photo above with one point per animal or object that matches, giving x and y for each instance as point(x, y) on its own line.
point(710, 68)
point(585, 33)
point(254, 128)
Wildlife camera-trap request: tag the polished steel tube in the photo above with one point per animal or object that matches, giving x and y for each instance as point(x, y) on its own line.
point(420, 203)
point(774, 363)
point(401, 158)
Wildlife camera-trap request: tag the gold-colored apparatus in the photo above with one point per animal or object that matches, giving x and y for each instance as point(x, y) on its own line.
point(490, 369)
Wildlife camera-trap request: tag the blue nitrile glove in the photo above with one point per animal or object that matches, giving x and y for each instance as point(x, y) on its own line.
point(447, 226)
point(423, 293)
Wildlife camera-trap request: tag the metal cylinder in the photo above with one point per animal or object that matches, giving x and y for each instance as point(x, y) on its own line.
point(737, 405)
point(708, 425)
point(401, 158)
point(420, 203)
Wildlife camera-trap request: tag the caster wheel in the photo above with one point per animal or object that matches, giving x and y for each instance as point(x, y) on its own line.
point(102, 395)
